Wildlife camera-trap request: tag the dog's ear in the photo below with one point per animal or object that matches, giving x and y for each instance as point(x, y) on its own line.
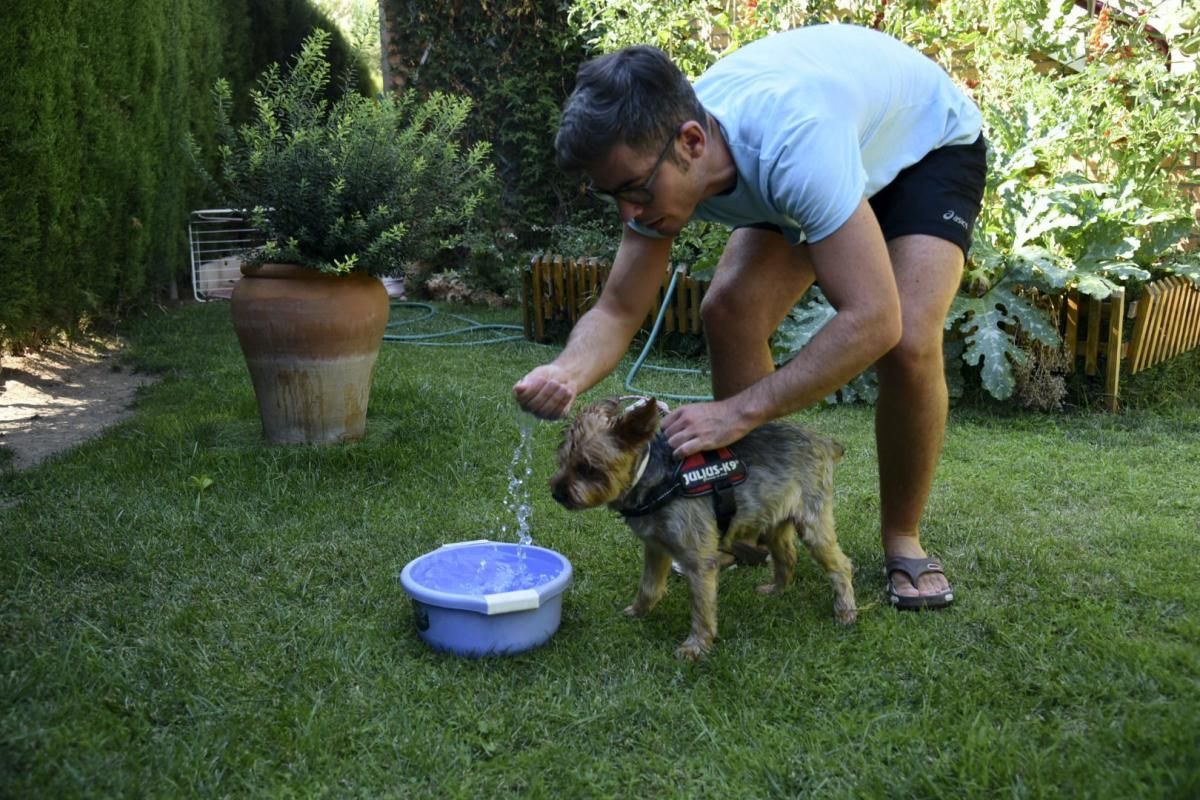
point(638, 424)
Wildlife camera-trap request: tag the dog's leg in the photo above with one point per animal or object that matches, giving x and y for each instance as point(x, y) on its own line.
point(819, 536)
point(701, 572)
point(655, 568)
point(782, 543)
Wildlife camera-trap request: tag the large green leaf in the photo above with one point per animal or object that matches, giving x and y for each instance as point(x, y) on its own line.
point(801, 324)
point(1185, 268)
point(1095, 286)
point(1036, 266)
point(862, 389)
point(989, 343)
point(1046, 213)
point(1035, 321)
point(1104, 249)
point(1123, 271)
point(952, 352)
point(988, 326)
point(964, 307)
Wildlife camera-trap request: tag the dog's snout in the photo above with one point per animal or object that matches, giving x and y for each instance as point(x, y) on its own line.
point(558, 490)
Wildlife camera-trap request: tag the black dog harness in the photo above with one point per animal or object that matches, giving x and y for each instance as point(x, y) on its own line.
point(713, 472)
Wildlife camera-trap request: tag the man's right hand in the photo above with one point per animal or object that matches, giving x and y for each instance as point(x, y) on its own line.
point(546, 392)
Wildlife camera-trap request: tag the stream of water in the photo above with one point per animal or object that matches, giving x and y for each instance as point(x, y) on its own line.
point(516, 504)
point(488, 570)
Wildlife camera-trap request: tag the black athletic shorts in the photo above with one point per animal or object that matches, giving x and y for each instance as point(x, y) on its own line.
point(940, 196)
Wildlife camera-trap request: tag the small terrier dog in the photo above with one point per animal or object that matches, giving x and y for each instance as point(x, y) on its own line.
point(617, 457)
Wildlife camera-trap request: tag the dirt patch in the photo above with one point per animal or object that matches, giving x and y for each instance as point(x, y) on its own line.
point(54, 399)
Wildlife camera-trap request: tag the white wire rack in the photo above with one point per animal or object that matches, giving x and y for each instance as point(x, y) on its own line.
point(218, 237)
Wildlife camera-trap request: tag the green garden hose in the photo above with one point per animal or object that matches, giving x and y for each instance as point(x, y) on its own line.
point(641, 359)
point(472, 327)
point(499, 329)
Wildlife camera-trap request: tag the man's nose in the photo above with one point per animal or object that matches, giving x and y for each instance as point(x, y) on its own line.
point(629, 210)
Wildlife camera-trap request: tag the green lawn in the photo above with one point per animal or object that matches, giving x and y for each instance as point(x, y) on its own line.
point(251, 638)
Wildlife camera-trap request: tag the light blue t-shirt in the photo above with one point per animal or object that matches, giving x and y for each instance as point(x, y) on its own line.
point(820, 117)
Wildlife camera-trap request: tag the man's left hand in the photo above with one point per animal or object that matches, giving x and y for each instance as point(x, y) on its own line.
point(703, 426)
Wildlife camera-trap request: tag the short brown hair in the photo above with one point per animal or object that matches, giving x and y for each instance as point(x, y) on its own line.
point(635, 96)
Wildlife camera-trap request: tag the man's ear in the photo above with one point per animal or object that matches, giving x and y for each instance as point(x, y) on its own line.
point(639, 424)
point(694, 137)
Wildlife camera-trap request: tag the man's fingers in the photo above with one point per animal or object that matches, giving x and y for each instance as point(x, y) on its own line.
point(543, 399)
point(688, 448)
point(684, 444)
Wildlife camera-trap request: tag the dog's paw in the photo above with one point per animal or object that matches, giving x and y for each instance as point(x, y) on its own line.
point(845, 615)
point(693, 649)
point(635, 611)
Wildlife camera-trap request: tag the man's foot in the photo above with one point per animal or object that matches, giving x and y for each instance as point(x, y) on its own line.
point(915, 580)
point(739, 555)
point(744, 554)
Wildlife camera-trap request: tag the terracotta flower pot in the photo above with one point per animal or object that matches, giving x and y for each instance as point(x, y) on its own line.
point(310, 341)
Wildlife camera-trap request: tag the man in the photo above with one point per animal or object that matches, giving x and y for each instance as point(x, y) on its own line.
point(837, 154)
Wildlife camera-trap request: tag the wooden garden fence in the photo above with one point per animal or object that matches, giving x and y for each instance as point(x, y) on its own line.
point(1164, 321)
point(558, 291)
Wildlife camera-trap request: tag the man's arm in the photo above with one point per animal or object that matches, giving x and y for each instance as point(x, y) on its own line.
point(602, 335)
point(855, 273)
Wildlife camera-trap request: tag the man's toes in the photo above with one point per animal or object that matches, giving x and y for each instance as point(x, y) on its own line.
point(933, 584)
point(903, 586)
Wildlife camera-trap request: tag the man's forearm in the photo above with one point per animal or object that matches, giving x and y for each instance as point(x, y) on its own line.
point(595, 347)
point(854, 270)
point(836, 355)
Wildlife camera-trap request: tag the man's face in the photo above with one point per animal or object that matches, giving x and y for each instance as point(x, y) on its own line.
point(652, 189)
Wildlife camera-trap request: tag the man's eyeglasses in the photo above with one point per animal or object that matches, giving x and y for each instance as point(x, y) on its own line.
point(639, 195)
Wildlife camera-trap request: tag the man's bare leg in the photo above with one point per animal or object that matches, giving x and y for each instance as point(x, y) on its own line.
point(758, 280)
point(910, 415)
point(761, 277)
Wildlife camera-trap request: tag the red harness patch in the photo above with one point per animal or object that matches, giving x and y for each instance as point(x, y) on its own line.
point(705, 473)
point(713, 472)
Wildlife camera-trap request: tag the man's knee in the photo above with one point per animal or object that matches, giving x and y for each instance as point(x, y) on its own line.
point(918, 351)
point(717, 306)
point(725, 311)
point(758, 279)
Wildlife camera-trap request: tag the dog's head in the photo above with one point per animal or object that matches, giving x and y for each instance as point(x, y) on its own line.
point(600, 451)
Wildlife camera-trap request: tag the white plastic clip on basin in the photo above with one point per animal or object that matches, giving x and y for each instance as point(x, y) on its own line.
point(484, 598)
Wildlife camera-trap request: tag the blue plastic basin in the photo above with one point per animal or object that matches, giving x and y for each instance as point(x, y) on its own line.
point(485, 598)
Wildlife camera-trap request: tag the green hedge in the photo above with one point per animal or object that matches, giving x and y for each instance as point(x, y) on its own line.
point(94, 184)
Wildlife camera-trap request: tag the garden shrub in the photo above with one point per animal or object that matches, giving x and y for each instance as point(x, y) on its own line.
point(355, 183)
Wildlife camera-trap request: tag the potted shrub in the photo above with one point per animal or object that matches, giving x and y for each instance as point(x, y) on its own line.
point(345, 190)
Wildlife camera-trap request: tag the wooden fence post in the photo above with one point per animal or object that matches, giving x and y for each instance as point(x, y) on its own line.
point(1112, 355)
point(1071, 334)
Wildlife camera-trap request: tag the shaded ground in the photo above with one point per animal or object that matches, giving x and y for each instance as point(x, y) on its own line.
point(55, 399)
